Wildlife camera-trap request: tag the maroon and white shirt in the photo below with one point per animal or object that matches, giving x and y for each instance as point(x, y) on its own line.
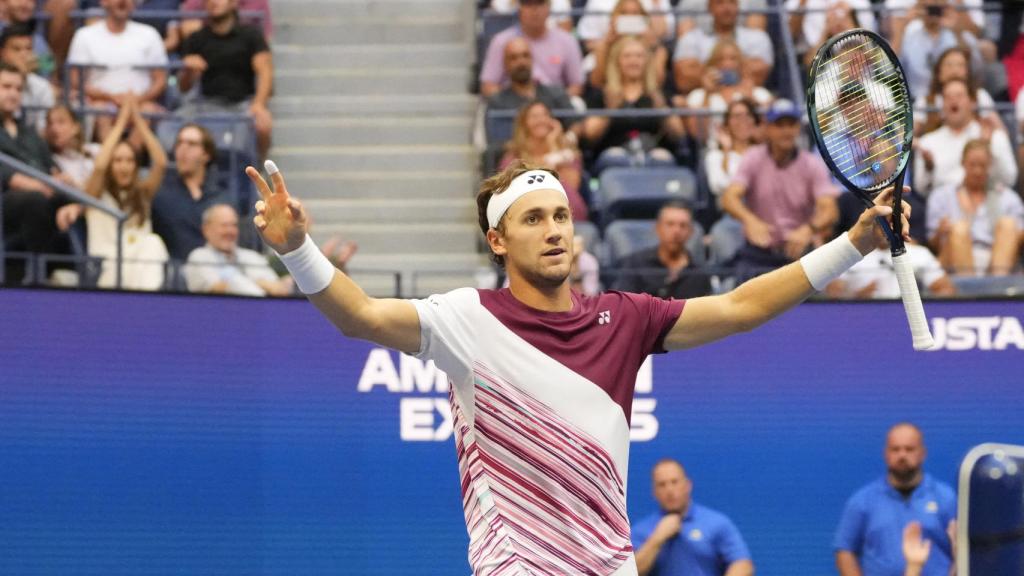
point(541, 404)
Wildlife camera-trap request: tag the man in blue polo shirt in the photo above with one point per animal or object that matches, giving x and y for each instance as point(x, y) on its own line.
point(684, 537)
point(869, 540)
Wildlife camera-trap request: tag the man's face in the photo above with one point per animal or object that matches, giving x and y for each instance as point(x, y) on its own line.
point(672, 488)
point(673, 228)
point(18, 52)
point(220, 8)
point(533, 15)
point(221, 230)
point(934, 10)
point(976, 168)
point(21, 10)
point(189, 154)
point(518, 61)
point(537, 242)
point(957, 107)
point(120, 10)
point(904, 453)
point(782, 134)
point(10, 92)
point(724, 12)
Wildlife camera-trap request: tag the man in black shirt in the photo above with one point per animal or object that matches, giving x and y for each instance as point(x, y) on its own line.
point(234, 63)
point(666, 270)
point(29, 205)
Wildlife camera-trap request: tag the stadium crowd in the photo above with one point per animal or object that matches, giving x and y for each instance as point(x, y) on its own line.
point(700, 103)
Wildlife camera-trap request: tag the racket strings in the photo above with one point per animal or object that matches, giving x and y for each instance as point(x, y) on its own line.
point(864, 121)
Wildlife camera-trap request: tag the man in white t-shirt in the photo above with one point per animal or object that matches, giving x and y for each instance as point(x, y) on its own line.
point(127, 57)
point(541, 377)
point(693, 50)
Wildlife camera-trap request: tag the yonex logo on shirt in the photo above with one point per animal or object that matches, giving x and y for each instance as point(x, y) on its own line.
point(604, 317)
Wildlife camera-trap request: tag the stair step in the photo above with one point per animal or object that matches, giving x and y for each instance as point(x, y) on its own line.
point(393, 210)
point(380, 56)
point(340, 30)
point(380, 158)
point(365, 9)
point(422, 105)
point(372, 131)
point(448, 238)
point(326, 81)
point(313, 185)
point(414, 285)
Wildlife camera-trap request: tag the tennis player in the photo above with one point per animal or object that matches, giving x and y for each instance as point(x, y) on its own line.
point(542, 377)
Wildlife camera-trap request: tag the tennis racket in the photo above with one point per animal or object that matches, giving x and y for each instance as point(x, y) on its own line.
point(859, 107)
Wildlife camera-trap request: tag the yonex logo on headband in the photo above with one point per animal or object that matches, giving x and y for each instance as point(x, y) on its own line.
point(522, 184)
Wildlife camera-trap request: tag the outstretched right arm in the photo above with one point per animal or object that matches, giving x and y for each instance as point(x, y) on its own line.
point(282, 223)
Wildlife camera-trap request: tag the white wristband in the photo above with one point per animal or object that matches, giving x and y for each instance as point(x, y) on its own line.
point(311, 270)
point(829, 262)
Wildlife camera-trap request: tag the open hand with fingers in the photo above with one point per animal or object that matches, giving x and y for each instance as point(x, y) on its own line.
point(280, 219)
point(866, 235)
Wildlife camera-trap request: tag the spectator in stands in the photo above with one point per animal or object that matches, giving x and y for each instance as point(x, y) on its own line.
point(72, 155)
point(953, 64)
point(874, 276)
point(694, 14)
point(221, 266)
point(190, 26)
point(119, 46)
point(930, 28)
point(783, 196)
point(870, 534)
point(631, 84)
point(60, 28)
point(235, 66)
point(976, 225)
point(187, 192)
point(837, 19)
point(812, 22)
point(740, 131)
point(22, 13)
point(116, 182)
point(585, 274)
point(538, 139)
point(723, 81)
point(169, 29)
point(693, 50)
point(556, 54)
point(560, 12)
point(938, 161)
point(29, 204)
point(523, 88)
point(16, 50)
point(683, 537)
point(600, 19)
point(629, 18)
point(668, 269)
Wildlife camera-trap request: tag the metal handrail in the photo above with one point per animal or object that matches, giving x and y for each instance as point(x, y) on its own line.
point(882, 9)
point(81, 15)
point(71, 191)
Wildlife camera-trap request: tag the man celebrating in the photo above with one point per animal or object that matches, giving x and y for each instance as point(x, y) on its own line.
point(685, 537)
point(869, 539)
point(541, 377)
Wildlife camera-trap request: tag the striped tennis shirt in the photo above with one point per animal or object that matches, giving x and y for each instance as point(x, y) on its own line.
point(541, 404)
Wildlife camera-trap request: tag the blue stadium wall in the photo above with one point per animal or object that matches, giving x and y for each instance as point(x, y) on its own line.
point(144, 434)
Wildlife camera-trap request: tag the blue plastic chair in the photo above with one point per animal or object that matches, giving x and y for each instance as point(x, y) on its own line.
point(640, 192)
point(990, 511)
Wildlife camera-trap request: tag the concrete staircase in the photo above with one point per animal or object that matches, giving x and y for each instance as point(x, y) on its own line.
point(372, 123)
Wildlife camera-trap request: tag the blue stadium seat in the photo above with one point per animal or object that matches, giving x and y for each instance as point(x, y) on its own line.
point(591, 236)
point(498, 130)
point(624, 237)
point(640, 192)
point(990, 533)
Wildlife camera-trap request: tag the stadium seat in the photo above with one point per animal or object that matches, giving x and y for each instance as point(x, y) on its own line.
point(640, 192)
point(624, 237)
point(990, 532)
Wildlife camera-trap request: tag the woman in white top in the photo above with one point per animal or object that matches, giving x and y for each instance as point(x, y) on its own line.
point(977, 225)
point(116, 182)
point(740, 130)
point(629, 18)
point(724, 81)
point(64, 136)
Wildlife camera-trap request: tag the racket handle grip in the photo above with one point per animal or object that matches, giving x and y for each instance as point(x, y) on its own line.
point(912, 303)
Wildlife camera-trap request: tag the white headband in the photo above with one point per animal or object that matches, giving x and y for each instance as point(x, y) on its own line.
point(523, 184)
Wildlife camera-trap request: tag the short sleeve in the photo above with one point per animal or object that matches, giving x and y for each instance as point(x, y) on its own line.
point(657, 316)
point(493, 68)
point(78, 53)
point(257, 42)
point(689, 46)
point(748, 167)
point(850, 532)
point(155, 52)
point(445, 334)
point(730, 543)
